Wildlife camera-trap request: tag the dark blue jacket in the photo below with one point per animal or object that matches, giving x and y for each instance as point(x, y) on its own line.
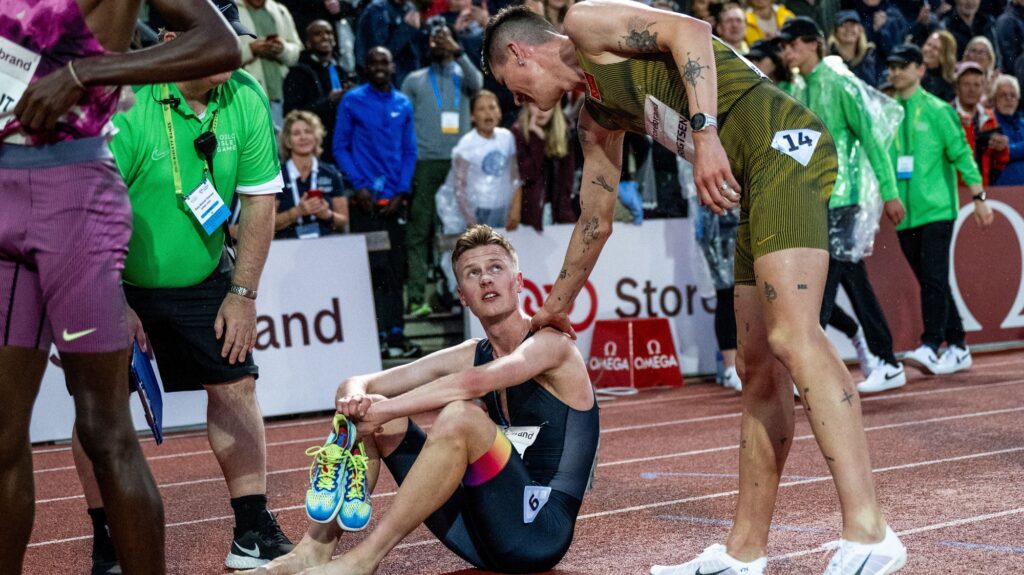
point(375, 141)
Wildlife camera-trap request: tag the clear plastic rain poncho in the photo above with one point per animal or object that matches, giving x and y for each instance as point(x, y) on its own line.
point(856, 204)
point(716, 236)
point(481, 182)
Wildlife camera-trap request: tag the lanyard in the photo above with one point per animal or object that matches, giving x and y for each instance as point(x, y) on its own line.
point(293, 175)
point(456, 79)
point(335, 80)
point(165, 93)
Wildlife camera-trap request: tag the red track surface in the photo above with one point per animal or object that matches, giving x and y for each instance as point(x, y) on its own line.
point(948, 455)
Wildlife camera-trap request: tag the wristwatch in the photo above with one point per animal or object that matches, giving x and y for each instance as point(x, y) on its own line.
point(980, 196)
point(244, 292)
point(701, 121)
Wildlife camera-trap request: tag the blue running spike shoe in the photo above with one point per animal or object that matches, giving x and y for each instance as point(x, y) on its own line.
point(355, 509)
point(327, 472)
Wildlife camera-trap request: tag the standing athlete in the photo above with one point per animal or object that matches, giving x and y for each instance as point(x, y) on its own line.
point(64, 231)
point(663, 74)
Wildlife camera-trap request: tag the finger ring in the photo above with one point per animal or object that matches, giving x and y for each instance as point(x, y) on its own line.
point(724, 186)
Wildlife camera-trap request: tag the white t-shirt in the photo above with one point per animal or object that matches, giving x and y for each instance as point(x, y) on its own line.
point(492, 167)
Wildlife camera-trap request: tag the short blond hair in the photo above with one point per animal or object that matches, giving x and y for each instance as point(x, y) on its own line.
point(479, 236)
point(283, 143)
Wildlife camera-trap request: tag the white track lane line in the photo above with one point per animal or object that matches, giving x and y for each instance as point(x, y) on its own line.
point(909, 532)
point(615, 463)
point(872, 398)
point(656, 505)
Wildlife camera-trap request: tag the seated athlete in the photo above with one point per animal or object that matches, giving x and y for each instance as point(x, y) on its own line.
point(501, 506)
point(662, 74)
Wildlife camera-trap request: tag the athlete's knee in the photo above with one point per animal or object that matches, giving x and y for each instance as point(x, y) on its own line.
point(458, 419)
point(107, 443)
point(789, 340)
point(14, 442)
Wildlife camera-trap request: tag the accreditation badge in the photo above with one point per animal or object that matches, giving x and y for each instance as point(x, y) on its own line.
point(904, 167)
point(208, 208)
point(449, 122)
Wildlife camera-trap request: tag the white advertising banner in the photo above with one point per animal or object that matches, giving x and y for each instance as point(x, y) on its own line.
point(316, 327)
point(652, 270)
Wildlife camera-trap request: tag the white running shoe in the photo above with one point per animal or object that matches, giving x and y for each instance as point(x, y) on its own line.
point(885, 377)
point(956, 358)
point(867, 360)
point(731, 379)
point(882, 558)
point(713, 561)
point(926, 359)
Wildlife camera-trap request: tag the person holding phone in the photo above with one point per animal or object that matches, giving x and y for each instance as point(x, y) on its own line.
point(314, 202)
point(275, 49)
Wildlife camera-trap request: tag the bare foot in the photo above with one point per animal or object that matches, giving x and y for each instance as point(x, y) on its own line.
point(309, 553)
point(344, 565)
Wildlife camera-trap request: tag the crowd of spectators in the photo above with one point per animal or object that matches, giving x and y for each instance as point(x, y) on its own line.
point(371, 98)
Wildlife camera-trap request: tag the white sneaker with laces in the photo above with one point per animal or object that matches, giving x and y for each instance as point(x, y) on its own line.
point(885, 377)
point(713, 561)
point(731, 379)
point(882, 558)
point(925, 359)
point(867, 360)
point(956, 358)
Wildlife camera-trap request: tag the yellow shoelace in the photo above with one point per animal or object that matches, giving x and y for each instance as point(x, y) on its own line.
point(356, 465)
point(328, 458)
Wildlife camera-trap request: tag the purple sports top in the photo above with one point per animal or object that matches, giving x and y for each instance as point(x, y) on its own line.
point(57, 31)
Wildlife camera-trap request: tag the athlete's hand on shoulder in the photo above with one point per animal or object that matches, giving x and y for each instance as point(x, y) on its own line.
point(236, 323)
point(894, 211)
point(716, 186)
point(46, 100)
point(983, 214)
point(559, 321)
point(135, 327)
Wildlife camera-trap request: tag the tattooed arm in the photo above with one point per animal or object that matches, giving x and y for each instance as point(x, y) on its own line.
point(609, 30)
point(602, 164)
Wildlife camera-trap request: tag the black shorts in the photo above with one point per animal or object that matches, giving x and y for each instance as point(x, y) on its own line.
point(485, 524)
point(179, 324)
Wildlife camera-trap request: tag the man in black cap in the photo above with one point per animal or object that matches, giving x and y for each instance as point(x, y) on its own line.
point(211, 139)
point(930, 144)
point(64, 231)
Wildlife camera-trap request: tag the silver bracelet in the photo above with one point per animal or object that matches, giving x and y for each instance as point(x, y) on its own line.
point(74, 76)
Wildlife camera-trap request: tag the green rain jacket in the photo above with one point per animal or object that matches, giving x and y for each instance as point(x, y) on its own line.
point(862, 123)
point(932, 134)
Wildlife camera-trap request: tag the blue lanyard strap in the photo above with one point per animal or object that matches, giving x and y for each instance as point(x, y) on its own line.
point(335, 80)
point(456, 80)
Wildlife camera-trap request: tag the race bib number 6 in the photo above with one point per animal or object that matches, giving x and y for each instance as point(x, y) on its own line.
point(797, 144)
point(17, 66)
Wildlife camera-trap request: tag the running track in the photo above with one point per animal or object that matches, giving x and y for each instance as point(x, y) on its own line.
point(948, 458)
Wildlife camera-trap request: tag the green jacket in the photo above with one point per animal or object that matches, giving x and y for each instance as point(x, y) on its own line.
point(860, 125)
point(931, 132)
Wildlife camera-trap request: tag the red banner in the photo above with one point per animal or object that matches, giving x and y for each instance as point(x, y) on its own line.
point(633, 353)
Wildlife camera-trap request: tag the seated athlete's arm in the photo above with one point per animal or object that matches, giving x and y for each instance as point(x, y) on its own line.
point(540, 354)
point(603, 29)
point(599, 188)
point(398, 380)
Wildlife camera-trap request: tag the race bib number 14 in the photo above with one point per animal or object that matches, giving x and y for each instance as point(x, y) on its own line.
point(17, 66)
point(797, 144)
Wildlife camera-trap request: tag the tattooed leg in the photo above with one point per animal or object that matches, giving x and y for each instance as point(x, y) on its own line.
point(766, 427)
point(795, 338)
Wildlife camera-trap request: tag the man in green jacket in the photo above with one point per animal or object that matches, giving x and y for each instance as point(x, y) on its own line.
point(841, 101)
point(930, 148)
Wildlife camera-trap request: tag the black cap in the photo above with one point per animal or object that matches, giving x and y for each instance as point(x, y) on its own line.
point(905, 54)
point(844, 16)
point(799, 27)
point(762, 49)
point(227, 9)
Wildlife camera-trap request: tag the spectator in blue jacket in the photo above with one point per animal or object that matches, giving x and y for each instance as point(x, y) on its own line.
point(392, 24)
point(1006, 96)
point(1010, 38)
point(883, 23)
point(375, 145)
